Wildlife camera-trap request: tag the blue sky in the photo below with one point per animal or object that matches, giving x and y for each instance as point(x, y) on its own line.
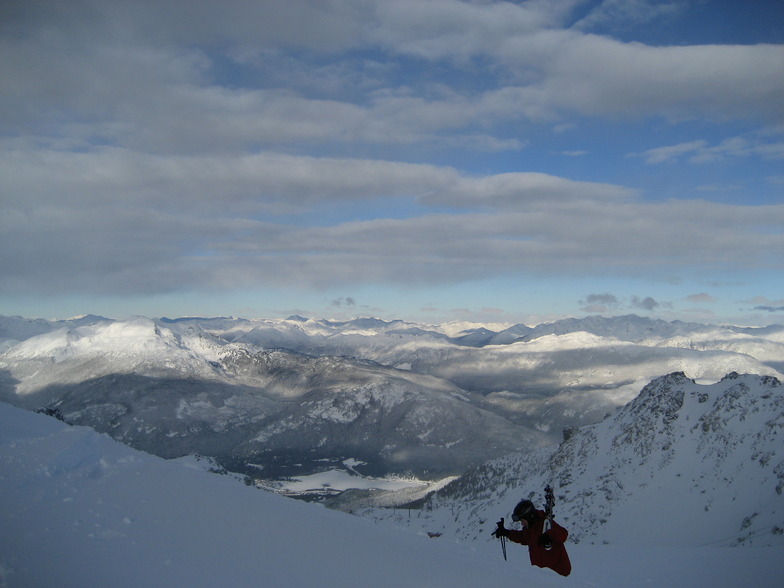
point(426, 160)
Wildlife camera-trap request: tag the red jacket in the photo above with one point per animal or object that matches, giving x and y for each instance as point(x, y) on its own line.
point(556, 557)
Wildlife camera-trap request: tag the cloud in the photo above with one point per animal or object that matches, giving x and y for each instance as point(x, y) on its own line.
point(599, 302)
point(142, 89)
point(701, 152)
point(126, 222)
point(671, 152)
point(646, 303)
point(765, 304)
point(600, 76)
point(248, 184)
point(455, 30)
point(152, 147)
point(266, 183)
point(608, 299)
point(701, 297)
point(619, 14)
point(141, 76)
point(521, 189)
point(344, 301)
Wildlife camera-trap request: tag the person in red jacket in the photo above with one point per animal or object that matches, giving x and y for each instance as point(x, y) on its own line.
point(545, 545)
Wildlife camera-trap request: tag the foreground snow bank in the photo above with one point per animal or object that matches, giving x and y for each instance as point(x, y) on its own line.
point(80, 510)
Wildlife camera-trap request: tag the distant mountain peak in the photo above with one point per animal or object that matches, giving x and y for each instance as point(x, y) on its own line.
point(297, 318)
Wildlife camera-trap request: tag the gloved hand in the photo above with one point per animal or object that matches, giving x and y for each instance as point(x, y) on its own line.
point(545, 541)
point(500, 530)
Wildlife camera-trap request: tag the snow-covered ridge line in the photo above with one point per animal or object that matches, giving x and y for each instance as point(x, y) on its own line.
point(627, 327)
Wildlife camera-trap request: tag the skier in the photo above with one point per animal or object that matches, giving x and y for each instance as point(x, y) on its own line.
point(545, 545)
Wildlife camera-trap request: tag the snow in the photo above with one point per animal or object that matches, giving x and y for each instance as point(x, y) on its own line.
point(343, 480)
point(612, 357)
point(78, 509)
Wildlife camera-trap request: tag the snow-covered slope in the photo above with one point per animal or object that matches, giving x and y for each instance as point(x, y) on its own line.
point(702, 465)
point(78, 510)
point(14, 329)
point(138, 346)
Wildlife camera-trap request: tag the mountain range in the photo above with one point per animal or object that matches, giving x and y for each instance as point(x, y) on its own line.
point(272, 398)
point(174, 389)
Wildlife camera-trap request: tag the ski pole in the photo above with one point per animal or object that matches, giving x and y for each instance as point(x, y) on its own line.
point(549, 504)
point(503, 540)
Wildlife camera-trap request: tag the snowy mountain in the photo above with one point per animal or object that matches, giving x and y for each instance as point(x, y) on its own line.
point(264, 412)
point(14, 329)
point(282, 397)
point(566, 373)
point(80, 510)
point(702, 465)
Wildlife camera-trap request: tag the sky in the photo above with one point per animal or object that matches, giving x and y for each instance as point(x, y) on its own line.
point(430, 160)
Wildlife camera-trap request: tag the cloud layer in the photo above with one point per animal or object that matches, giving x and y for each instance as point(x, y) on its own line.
point(123, 221)
point(148, 147)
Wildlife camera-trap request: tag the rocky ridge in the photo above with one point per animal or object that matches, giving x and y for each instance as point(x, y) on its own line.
point(702, 464)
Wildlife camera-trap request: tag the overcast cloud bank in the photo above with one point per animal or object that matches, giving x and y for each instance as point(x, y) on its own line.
point(159, 147)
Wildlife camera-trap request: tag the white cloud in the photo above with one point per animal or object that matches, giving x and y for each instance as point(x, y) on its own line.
point(143, 75)
point(566, 71)
point(159, 253)
point(671, 152)
point(125, 222)
point(249, 184)
point(622, 13)
point(269, 183)
point(149, 146)
point(456, 30)
point(700, 151)
point(516, 191)
point(600, 76)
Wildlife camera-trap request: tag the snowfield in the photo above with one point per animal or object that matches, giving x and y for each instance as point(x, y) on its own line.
point(78, 509)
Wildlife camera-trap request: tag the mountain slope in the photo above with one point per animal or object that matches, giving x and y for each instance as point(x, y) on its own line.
point(179, 390)
point(700, 463)
point(78, 509)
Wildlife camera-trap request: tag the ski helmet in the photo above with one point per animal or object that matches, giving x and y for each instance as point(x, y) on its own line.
point(523, 510)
